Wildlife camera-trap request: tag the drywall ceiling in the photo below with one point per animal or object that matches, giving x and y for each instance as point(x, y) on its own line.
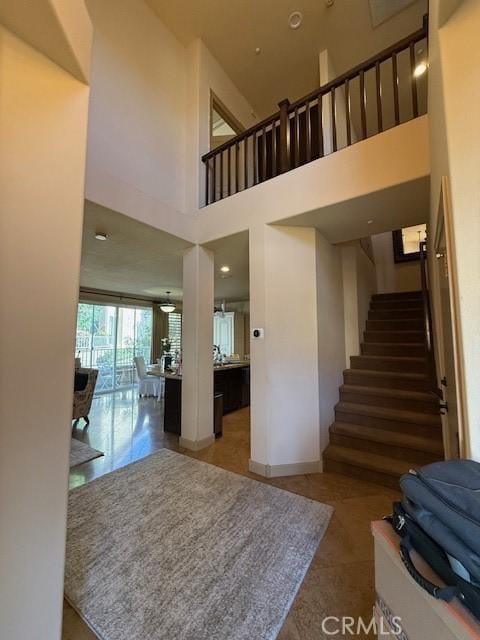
point(403, 205)
point(287, 65)
point(139, 260)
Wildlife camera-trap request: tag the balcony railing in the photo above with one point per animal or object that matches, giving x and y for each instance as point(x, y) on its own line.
point(384, 91)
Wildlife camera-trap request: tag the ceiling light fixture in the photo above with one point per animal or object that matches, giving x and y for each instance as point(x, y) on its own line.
point(167, 306)
point(100, 235)
point(295, 19)
point(224, 269)
point(420, 69)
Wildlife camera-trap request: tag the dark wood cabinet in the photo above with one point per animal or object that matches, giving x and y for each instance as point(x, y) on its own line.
point(233, 385)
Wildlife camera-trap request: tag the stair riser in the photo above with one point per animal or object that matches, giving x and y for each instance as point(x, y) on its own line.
point(332, 466)
point(395, 336)
point(399, 295)
point(387, 364)
point(376, 349)
point(390, 403)
point(395, 314)
point(396, 304)
point(388, 424)
point(395, 325)
point(370, 446)
point(387, 382)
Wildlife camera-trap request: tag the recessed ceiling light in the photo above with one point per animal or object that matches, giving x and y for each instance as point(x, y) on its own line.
point(420, 69)
point(224, 269)
point(100, 236)
point(295, 19)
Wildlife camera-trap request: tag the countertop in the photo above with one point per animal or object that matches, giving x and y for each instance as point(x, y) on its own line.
point(174, 376)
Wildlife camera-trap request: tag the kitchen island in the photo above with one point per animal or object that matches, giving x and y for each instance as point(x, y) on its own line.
point(232, 381)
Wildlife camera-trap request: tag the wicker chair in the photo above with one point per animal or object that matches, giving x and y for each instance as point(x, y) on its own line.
point(82, 400)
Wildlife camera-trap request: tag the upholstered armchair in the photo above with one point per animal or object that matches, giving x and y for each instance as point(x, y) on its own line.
point(82, 400)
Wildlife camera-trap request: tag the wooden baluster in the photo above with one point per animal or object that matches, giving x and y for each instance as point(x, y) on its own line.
point(396, 104)
point(207, 178)
point(236, 166)
point(321, 148)
point(413, 81)
point(363, 109)
point(245, 163)
point(255, 172)
point(229, 167)
point(214, 173)
point(274, 149)
point(284, 136)
point(264, 153)
point(334, 120)
point(308, 129)
point(378, 86)
point(296, 130)
point(221, 174)
point(348, 112)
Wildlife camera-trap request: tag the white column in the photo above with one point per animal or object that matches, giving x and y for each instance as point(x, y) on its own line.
point(197, 349)
point(285, 427)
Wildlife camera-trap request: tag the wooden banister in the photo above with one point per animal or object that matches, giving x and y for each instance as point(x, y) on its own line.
point(428, 322)
point(296, 133)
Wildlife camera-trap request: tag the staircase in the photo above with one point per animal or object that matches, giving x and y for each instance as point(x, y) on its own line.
point(387, 421)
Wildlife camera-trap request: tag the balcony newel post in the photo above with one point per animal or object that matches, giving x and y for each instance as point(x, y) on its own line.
point(284, 136)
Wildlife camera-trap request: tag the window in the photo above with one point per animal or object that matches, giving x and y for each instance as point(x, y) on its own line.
point(175, 331)
point(109, 337)
point(223, 332)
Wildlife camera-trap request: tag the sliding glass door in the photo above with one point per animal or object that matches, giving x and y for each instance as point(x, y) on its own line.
point(109, 337)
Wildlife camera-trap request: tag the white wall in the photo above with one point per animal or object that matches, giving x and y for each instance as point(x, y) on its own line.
point(43, 120)
point(454, 104)
point(331, 331)
point(138, 116)
point(285, 389)
point(393, 277)
point(359, 284)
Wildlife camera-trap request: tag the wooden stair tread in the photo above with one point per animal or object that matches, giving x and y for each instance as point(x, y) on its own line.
point(400, 359)
point(391, 374)
point(389, 413)
point(405, 394)
point(392, 438)
point(371, 461)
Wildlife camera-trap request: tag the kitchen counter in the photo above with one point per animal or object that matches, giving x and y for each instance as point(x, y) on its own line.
point(231, 380)
point(155, 371)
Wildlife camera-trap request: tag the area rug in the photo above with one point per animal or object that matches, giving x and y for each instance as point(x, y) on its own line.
point(81, 452)
point(170, 548)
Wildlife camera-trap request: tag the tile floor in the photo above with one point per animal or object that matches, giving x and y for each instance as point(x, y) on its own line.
point(340, 580)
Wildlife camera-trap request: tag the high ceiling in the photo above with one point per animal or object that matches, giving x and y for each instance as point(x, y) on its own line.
point(287, 65)
point(140, 260)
